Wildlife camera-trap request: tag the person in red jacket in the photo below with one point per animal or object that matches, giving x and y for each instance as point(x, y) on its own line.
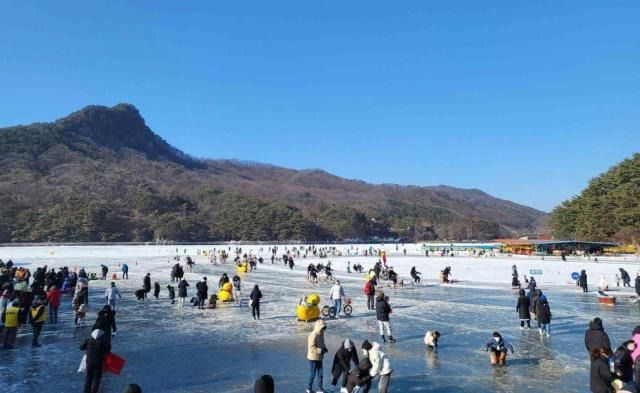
point(53, 298)
point(370, 290)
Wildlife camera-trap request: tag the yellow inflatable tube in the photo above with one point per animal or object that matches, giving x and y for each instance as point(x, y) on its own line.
point(310, 313)
point(225, 296)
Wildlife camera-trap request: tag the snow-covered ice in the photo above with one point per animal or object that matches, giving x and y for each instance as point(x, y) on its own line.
point(169, 349)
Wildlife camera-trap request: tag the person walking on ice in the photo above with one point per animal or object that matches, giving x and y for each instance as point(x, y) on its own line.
point(255, 297)
point(38, 316)
point(369, 291)
point(543, 315)
point(522, 307)
point(498, 348)
point(383, 309)
point(582, 281)
point(315, 353)
point(336, 294)
point(626, 279)
point(182, 291)
point(110, 295)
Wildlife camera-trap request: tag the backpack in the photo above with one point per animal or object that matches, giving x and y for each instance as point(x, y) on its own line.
point(368, 288)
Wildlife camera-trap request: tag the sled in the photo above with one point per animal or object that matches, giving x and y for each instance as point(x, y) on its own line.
point(113, 363)
point(603, 298)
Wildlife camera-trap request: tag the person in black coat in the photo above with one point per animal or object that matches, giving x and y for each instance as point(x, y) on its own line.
point(543, 315)
point(626, 279)
point(156, 290)
point(638, 285)
point(255, 297)
point(203, 291)
point(601, 377)
point(582, 281)
point(595, 337)
point(623, 361)
point(346, 354)
point(383, 309)
point(522, 307)
point(146, 284)
point(96, 348)
point(106, 322)
point(172, 293)
point(223, 280)
point(360, 376)
point(182, 291)
point(534, 302)
point(179, 272)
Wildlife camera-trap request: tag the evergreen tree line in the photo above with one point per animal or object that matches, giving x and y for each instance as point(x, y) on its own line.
point(608, 209)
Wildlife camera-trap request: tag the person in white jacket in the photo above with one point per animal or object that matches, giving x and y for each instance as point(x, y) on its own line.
point(431, 339)
point(380, 365)
point(336, 294)
point(111, 294)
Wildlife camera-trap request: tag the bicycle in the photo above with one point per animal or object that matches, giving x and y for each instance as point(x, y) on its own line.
point(330, 311)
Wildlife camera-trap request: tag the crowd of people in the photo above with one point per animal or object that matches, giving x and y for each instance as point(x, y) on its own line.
point(36, 298)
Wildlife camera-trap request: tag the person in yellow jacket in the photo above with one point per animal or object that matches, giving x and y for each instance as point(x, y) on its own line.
point(38, 316)
point(11, 324)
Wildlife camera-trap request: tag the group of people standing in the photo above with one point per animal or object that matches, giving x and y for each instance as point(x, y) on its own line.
point(374, 364)
point(612, 371)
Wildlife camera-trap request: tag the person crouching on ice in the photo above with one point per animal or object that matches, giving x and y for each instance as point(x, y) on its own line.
point(431, 339)
point(498, 348)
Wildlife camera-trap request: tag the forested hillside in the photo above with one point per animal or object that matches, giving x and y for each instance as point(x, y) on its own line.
point(609, 208)
point(100, 174)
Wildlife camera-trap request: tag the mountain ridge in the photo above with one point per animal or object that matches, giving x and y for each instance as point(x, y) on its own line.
point(109, 155)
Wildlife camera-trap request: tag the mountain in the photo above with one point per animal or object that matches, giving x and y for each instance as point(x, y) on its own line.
point(609, 208)
point(100, 174)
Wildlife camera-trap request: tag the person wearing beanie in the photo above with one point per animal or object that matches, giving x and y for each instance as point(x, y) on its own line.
point(346, 354)
point(132, 388)
point(264, 384)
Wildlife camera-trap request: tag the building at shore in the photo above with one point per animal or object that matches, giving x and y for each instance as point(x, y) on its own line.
point(553, 247)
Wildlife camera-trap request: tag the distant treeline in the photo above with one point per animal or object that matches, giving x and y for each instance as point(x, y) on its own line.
point(609, 208)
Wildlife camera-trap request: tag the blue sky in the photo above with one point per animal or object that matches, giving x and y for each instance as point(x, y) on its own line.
point(524, 100)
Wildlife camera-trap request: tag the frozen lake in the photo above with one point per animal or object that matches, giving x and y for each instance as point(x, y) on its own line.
point(188, 350)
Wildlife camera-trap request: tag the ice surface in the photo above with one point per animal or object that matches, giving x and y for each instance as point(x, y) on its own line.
point(188, 350)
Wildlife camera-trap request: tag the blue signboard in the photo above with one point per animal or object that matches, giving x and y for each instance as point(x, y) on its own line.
point(535, 271)
point(575, 275)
